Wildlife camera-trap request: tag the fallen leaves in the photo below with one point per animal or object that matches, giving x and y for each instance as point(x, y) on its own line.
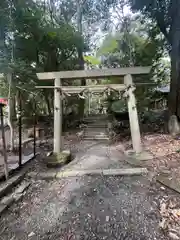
point(170, 218)
point(31, 234)
point(173, 235)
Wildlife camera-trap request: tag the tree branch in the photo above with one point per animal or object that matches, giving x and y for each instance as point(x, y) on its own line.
point(161, 24)
point(67, 57)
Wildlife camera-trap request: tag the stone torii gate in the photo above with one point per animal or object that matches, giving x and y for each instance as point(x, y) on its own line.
point(128, 86)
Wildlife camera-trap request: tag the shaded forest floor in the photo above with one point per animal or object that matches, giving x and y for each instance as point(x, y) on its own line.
point(96, 207)
point(164, 149)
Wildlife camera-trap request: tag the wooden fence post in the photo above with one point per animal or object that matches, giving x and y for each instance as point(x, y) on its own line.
point(133, 116)
point(57, 117)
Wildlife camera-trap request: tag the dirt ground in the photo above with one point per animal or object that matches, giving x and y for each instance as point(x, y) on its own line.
point(89, 207)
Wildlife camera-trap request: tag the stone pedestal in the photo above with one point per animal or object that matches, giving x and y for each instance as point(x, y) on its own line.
point(56, 160)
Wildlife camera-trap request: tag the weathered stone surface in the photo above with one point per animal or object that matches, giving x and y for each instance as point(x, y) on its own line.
point(124, 172)
point(22, 188)
point(6, 187)
point(43, 175)
point(143, 156)
point(32, 174)
point(173, 125)
point(138, 160)
point(80, 172)
point(105, 172)
point(7, 200)
point(174, 236)
point(58, 160)
point(169, 182)
point(134, 162)
point(96, 138)
point(5, 203)
point(3, 207)
point(18, 197)
point(68, 152)
point(165, 171)
point(47, 175)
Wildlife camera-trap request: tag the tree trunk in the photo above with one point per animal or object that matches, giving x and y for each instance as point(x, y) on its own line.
point(80, 56)
point(4, 144)
point(10, 112)
point(174, 96)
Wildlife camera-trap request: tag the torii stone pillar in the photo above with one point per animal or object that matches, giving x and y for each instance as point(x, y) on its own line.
point(57, 117)
point(133, 116)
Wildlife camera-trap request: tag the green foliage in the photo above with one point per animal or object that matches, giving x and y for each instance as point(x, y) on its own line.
point(139, 43)
point(38, 36)
point(162, 71)
point(161, 11)
point(119, 106)
point(37, 44)
point(142, 51)
point(92, 60)
point(110, 45)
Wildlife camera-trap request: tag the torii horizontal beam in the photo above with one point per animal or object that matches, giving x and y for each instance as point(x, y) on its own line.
point(90, 88)
point(94, 73)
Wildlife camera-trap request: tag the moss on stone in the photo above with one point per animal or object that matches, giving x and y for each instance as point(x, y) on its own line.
point(58, 159)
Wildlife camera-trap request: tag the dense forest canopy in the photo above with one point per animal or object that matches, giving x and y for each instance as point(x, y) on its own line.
point(37, 36)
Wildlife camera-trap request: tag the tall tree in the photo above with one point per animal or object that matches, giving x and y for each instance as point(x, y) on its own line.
point(90, 15)
point(42, 42)
point(166, 13)
point(133, 44)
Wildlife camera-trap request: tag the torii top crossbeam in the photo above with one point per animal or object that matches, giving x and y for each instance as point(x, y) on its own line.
point(94, 73)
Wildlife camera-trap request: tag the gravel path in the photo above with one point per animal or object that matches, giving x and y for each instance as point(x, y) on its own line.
point(87, 207)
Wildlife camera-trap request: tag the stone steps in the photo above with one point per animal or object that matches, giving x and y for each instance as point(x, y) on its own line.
point(102, 124)
point(12, 191)
point(94, 119)
point(89, 138)
point(96, 125)
point(94, 132)
point(96, 116)
point(96, 128)
point(95, 135)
